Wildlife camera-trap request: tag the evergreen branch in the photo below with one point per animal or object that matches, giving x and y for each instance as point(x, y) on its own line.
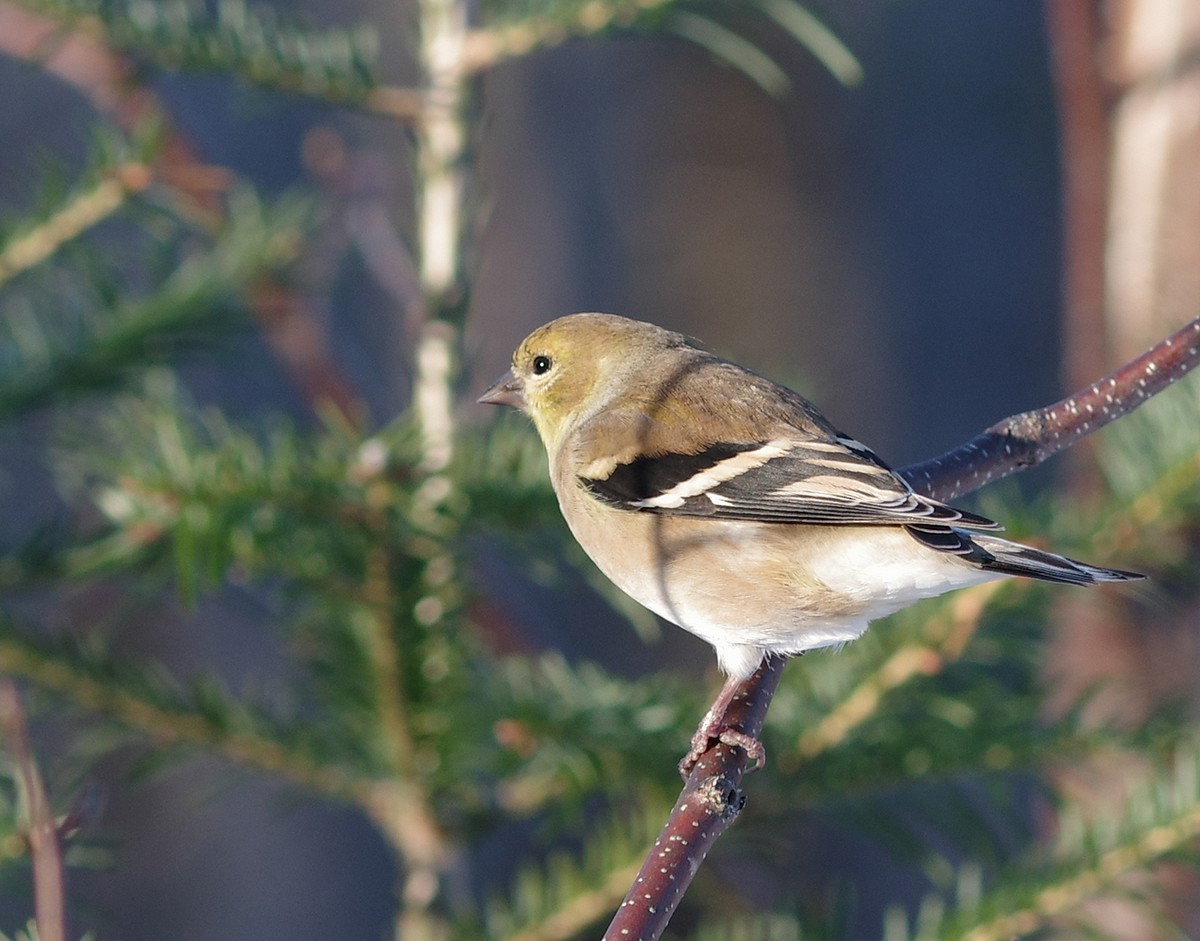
point(170, 725)
point(258, 46)
point(570, 727)
point(168, 477)
point(402, 104)
point(1163, 495)
point(1159, 822)
point(1015, 444)
point(489, 46)
point(104, 354)
point(582, 908)
point(762, 926)
point(80, 213)
point(1001, 742)
point(1174, 484)
point(543, 25)
point(401, 806)
point(945, 639)
point(284, 497)
point(1154, 471)
point(105, 351)
point(383, 656)
point(560, 897)
point(442, 136)
point(502, 469)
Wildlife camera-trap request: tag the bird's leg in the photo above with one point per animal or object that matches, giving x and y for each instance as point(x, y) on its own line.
point(712, 728)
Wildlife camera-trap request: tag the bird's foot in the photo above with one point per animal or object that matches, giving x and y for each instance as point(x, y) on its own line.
point(709, 733)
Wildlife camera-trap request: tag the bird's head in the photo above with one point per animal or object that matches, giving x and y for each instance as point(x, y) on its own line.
point(563, 368)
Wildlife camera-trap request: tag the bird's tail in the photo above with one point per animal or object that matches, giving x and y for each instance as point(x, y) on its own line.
point(1012, 558)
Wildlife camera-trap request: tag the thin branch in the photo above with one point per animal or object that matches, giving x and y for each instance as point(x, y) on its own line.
point(489, 46)
point(402, 807)
point(262, 52)
point(1150, 845)
point(412, 823)
point(80, 213)
point(400, 104)
point(710, 802)
point(49, 893)
point(711, 798)
point(168, 726)
point(395, 804)
point(1025, 440)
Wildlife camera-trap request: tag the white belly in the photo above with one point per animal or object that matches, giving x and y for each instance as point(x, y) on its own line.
point(754, 588)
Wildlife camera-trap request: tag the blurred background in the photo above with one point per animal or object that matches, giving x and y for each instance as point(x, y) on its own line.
point(953, 230)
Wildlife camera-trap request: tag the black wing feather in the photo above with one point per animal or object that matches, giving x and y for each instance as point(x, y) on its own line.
point(834, 482)
point(647, 477)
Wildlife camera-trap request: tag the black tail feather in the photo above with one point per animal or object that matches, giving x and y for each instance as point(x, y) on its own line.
point(1011, 558)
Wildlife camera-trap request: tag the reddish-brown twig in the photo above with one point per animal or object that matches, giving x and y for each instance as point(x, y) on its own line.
point(1025, 440)
point(712, 797)
point(42, 834)
point(710, 801)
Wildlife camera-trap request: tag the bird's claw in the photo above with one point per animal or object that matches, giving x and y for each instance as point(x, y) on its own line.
point(704, 737)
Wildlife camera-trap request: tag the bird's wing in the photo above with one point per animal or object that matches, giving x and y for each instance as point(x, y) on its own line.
point(776, 460)
point(783, 480)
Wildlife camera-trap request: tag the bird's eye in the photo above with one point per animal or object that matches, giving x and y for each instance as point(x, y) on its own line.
point(541, 365)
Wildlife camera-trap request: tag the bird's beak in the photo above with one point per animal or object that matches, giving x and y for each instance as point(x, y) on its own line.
point(509, 389)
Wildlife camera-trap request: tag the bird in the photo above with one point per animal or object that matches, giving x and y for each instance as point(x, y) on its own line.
point(730, 506)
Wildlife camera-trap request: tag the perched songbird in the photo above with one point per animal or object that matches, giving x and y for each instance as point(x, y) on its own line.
point(730, 506)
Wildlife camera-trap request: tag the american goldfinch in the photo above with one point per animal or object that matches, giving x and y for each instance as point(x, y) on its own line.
point(730, 506)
